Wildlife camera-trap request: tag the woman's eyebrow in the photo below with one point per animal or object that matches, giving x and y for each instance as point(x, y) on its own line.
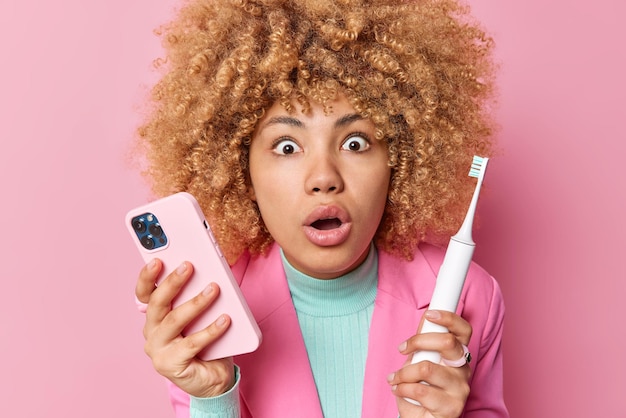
point(285, 120)
point(347, 119)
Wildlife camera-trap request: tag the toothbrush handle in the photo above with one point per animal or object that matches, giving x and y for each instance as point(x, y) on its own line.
point(448, 288)
point(447, 292)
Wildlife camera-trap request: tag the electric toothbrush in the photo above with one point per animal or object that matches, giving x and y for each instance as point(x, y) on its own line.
point(454, 268)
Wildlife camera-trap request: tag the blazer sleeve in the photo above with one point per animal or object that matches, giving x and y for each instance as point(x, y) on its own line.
point(484, 305)
point(179, 400)
point(225, 406)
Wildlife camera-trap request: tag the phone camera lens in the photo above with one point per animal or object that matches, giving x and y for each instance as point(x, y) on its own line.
point(155, 230)
point(139, 226)
point(147, 242)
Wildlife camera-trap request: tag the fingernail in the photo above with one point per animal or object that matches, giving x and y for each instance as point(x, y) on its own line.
point(152, 264)
point(207, 290)
point(402, 346)
point(181, 269)
point(390, 377)
point(432, 314)
point(221, 321)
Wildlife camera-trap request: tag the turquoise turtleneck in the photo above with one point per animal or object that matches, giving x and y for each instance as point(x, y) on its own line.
point(335, 317)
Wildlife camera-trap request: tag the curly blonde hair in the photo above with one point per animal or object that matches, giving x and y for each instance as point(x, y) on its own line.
point(420, 70)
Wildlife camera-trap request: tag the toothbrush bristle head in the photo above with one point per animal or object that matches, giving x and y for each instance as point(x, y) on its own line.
point(479, 164)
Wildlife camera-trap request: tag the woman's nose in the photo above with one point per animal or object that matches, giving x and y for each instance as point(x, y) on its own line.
point(324, 176)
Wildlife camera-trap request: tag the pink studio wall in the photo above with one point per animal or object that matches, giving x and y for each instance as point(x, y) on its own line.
point(552, 225)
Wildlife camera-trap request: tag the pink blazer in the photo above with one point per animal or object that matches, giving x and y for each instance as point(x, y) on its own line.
point(276, 380)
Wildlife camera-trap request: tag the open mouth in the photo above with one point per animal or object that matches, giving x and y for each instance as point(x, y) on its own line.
point(326, 224)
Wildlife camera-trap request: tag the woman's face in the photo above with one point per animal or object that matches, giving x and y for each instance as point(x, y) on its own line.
point(320, 181)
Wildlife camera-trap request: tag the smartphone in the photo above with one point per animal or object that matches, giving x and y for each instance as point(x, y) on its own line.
point(174, 230)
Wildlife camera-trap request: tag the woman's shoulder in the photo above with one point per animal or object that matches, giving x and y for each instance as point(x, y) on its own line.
point(481, 298)
point(434, 255)
point(418, 276)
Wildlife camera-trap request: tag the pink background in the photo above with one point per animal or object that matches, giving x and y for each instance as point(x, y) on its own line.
point(553, 223)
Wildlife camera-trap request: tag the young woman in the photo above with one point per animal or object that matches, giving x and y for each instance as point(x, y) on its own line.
point(328, 143)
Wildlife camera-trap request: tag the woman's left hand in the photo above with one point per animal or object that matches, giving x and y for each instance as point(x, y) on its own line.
point(447, 387)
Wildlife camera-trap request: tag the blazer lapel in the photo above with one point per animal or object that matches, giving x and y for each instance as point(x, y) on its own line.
point(404, 291)
point(267, 292)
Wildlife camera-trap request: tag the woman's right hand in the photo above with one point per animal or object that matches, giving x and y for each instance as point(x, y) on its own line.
point(174, 355)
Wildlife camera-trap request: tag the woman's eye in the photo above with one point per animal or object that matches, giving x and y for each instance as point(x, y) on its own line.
point(355, 143)
point(286, 147)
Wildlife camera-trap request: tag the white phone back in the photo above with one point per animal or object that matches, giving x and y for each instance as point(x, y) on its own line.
point(189, 238)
